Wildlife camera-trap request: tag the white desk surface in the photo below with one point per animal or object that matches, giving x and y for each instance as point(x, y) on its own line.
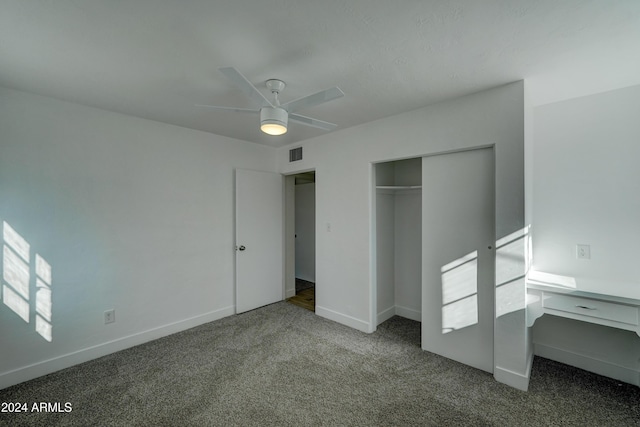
point(624, 292)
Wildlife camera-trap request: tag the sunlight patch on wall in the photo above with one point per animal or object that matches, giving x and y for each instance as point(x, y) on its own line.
point(17, 279)
point(460, 293)
point(16, 241)
point(44, 328)
point(513, 258)
point(15, 302)
point(43, 298)
point(43, 269)
point(510, 297)
point(15, 272)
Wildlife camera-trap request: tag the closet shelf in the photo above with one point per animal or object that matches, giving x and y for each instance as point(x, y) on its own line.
point(398, 187)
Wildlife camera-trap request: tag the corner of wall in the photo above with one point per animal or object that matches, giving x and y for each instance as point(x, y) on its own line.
point(513, 379)
point(344, 319)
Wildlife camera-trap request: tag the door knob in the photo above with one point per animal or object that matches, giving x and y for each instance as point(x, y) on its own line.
point(241, 248)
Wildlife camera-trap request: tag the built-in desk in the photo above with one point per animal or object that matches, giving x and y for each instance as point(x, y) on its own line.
point(614, 304)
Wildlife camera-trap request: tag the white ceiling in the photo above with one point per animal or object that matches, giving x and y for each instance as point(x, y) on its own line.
point(157, 59)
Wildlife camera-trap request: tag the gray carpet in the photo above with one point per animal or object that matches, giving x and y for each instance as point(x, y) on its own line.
point(282, 365)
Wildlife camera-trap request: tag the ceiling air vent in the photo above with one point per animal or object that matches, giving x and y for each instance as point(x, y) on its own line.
point(295, 154)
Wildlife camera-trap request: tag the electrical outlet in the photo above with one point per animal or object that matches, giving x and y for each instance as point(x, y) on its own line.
point(109, 316)
point(583, 251)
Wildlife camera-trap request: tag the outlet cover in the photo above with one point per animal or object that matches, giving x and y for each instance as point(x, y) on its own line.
point(109, 316)
point(583, 251)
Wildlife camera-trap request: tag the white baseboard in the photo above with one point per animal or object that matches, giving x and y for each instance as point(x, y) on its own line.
point(513, 379)
point(45, 367)
point(591, 364)
point(387, 314)
point(409, 313)
point(397, 310)
point(289, 293)
point(344, 319)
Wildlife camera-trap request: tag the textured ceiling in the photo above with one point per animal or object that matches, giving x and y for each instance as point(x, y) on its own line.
point(157, 59)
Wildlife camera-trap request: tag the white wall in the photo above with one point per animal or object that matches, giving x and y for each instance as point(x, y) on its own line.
point(408, 254)
point(383, 242)
point(408, 240)
point(399, 250)
point(585, 190)
point(385, 256)
point(344, 183)
point(131, 215)
point(305, 231)
point(586, 184)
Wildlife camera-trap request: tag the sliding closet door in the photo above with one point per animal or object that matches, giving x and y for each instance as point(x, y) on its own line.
point(458, 233)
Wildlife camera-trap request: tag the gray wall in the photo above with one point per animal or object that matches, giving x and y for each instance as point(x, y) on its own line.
point(130, 214)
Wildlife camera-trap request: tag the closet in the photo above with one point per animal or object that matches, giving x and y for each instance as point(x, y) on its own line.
point(458, 258)
point(435, 234)
point(399, 238)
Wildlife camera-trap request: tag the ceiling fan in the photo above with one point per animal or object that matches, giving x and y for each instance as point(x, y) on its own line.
point(274, 116)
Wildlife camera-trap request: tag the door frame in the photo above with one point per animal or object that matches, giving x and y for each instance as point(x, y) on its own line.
point(289, 231)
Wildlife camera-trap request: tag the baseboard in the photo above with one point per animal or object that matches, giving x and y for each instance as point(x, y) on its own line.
point(45, 367)
point(349, 321)
point(387, 314)
point(289, 293)
point(591, 364)
point(409, 313)
point(513, 379)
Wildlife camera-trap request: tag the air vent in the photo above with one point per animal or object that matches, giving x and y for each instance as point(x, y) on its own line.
point(295, 154)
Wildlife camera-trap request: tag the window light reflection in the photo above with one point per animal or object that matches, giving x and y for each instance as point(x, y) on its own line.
point(460, 293)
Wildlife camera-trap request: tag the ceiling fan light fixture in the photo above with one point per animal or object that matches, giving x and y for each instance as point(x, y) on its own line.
point(273, 120)
point(274, 117)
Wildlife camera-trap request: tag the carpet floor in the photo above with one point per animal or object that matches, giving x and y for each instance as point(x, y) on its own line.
point(282, 365)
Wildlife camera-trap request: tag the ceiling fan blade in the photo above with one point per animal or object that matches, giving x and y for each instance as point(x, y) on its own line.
point(245, 86)
point(312, 122)
point(315, 99)
point(233, 109)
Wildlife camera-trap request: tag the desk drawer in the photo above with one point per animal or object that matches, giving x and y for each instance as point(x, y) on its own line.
point(592, 308)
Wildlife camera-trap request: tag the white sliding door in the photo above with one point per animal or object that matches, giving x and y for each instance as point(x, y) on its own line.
point(458, 258)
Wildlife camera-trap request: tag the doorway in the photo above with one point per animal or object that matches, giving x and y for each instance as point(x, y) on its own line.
point(301, 246)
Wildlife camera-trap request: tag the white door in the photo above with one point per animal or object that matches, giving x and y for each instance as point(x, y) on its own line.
point(259, 239)
point(458, 226)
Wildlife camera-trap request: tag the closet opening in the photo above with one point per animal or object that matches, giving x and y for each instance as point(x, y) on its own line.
point(301, 225)
point(398, 244)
